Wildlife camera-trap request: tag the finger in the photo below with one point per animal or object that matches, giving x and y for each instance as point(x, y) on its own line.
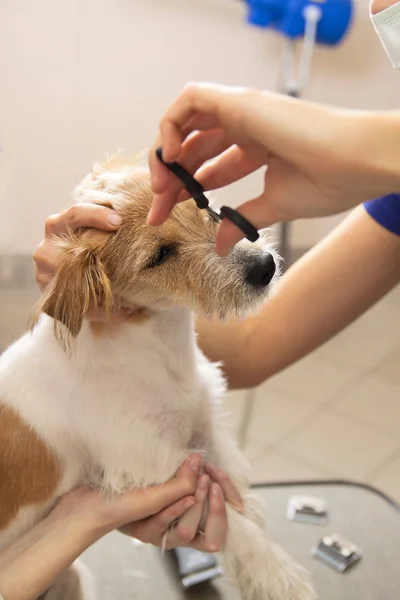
point(195, 98)
point(199, 122)
point(229, 491)
point(160, 176)
point(82, 215)
point(231, 166)
point(190, 468)
point(46, 257)
point(197, 150)
point(160, 498)
point(152, 500)
point(188, 526)
point(42, 279)
point(256, 211)
point(164, 519)
point(152, 529)
point(216, 526)
point(188, 473)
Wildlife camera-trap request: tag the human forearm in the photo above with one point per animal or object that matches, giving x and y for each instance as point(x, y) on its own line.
point(323, 292)
point(31, 565)
point(354, 150)
point(376, 146)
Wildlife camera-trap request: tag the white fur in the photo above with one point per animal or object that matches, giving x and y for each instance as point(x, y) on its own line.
point(125, 410)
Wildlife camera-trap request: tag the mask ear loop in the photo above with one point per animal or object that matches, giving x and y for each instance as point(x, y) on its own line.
point(196, 190)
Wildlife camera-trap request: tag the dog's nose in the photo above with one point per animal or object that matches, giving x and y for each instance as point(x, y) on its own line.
point(262, 271)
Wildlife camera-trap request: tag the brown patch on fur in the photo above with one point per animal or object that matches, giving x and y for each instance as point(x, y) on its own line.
point(102, 328)
point(29, 472)
point(141, 315)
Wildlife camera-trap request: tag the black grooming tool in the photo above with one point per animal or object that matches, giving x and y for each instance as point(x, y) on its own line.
point(196, 190)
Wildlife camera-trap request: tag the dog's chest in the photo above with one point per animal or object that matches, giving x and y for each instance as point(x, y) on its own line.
point(119, 413)
point(146, 417)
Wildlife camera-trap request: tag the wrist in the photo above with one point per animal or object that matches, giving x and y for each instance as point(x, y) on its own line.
point(80, 525)
point(89, 510)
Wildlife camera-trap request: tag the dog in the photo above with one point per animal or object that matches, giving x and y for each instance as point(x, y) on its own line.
point(122, 405)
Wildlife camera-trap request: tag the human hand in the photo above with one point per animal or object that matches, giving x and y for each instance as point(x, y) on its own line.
point(321, 160)
point(105, 513)
point(216, 487)
point(148, 513)
point(47, 254)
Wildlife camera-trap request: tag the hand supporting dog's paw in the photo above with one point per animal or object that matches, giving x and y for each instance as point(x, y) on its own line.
point(183, 523)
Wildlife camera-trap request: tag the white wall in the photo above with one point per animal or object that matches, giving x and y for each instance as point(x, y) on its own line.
point(80, 78)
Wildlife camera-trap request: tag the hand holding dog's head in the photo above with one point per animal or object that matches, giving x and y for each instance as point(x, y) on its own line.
point(151, 268)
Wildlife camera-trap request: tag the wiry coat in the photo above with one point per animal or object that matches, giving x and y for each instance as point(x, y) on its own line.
point(119, 405)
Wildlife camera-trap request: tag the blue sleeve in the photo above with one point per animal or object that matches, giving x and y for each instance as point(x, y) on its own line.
point(386, 212)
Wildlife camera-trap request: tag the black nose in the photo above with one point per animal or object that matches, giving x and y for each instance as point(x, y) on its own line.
point(262, 271)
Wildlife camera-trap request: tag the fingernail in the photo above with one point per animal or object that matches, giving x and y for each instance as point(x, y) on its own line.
point(194, 463)
point(151, 214)
point(238, 507)
point(214, 548)
point(189, 503)
point(114, 220)
point(215, 490)
point(213, 469)
point(204, 482)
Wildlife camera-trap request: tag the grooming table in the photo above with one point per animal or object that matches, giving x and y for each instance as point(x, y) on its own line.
point(127, 570)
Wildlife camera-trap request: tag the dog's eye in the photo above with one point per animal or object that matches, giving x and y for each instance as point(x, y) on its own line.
point(162, 255)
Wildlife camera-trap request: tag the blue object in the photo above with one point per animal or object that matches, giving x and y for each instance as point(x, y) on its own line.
point(386, 212)
point(286, 16)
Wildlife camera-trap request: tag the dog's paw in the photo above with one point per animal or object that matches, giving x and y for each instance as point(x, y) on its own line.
point(260, 569)
point(292, 584)
point(293, 588)
point(273, 575)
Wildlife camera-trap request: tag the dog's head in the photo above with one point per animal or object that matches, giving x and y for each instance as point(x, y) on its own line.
point(152, 268)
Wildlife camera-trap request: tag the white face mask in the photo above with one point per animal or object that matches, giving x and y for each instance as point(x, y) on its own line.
point(387, 26)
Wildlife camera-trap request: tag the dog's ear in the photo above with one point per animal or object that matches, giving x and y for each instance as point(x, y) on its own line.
point(80, 286)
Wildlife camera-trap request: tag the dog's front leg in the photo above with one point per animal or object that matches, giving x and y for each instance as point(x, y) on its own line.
point(260, 569)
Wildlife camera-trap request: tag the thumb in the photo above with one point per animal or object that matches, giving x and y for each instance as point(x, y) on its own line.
point(256, 211)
